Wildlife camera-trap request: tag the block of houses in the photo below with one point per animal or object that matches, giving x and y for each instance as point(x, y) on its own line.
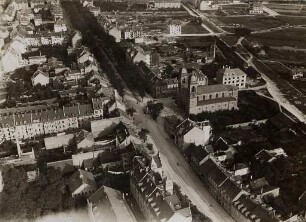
point(188, 132)
point(60, 26)
point(37, 59)
point(84, 139)
point(154, 194)
point(230, 76)
point(108, 204)
point(99, 105)
point(41, 78)
point(82, 184)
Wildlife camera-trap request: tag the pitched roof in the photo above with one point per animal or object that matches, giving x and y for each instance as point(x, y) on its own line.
point(84, 134)
point(231, 189)
point(215, 88)
point(64, 166)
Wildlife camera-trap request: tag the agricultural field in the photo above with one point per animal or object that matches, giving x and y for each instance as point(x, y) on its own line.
point(193, 27)
point(255, 23)
point(229, 10)
point(288, 9)
point(292, 37)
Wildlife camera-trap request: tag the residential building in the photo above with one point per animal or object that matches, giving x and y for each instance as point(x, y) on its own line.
point(99, 105)
point(63, 166)
point(230, 76)
point(175, 28)
point(188, 132)
point(167, 3)
point(132, 32)
point(41, 78)
point(60, 26)
point(108, 204)
point(30, 124)
point(157, 86)
point(38, 20)
point(82, 184)
point(153, 192)
point(84, 139)
point(255, 7)
point(37, 60)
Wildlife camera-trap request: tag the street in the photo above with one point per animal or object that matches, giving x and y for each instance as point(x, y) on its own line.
point(180, 173)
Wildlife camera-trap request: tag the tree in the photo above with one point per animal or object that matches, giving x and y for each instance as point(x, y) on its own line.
point(143, 134)
point(131, 111)
point(154, 109)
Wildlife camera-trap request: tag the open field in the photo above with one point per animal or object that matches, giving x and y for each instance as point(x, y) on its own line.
point(288, 9)
point(255, 23)
point(292, 20)
point(193, 27)
point(293, 37)
point(288, 57)
point(229, 10)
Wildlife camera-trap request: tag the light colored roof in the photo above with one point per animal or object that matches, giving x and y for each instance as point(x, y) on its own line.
point(58, 141)
point(232, 72)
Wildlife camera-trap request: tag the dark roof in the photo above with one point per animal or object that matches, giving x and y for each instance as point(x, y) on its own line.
point(207, 166)
point(199, 153)
point(63, 166)
point(231, 189)
point(221, 145)
point(109, 156)
point(121, 132)
point(80, 177)
point(281, 121)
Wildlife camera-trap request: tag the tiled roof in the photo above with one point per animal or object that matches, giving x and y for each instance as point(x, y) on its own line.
point(215, 88)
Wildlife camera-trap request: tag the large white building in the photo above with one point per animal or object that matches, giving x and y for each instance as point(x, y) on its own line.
point(233, 77)
point(175, 28)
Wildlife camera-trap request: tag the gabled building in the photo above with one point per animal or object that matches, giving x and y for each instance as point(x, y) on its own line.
point(188, 132)
point(82, 184)
point(41, 78)
point(84, 139)
point(234, 77)
point(108, 204)
point(154, 194)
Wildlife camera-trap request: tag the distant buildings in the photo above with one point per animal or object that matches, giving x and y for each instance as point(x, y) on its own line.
point(234, 77)
point(175, 28)
point(255, 7)
point(154, 192)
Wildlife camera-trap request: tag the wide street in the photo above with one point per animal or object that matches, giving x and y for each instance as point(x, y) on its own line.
point(180, 173)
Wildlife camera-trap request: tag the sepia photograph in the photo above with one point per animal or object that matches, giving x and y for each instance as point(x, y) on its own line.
point(152, 110)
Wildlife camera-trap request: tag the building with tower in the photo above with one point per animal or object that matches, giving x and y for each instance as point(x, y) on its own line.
point(197, 96)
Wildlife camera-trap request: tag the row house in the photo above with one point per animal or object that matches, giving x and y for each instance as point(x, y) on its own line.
point(155, 84)
point(31, 124)
point(154, 193)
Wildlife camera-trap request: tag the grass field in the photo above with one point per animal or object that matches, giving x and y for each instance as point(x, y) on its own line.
point(293, 37)
point(254, 23)
point(288, 9)
point(193, 28)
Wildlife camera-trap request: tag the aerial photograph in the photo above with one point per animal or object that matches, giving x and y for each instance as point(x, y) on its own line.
point(152, 110)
